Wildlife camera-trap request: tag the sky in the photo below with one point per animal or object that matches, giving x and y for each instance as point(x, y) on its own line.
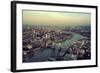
point(51, 18)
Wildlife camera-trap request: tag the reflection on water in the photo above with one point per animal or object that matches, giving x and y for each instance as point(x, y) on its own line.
point(46, 54)
point(69, 42)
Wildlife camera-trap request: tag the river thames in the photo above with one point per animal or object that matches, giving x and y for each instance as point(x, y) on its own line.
point(45, 54)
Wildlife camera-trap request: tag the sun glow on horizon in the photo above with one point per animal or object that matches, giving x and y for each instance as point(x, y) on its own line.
point(55, 18)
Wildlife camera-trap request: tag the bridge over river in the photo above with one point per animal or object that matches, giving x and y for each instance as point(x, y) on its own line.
point(44, 54)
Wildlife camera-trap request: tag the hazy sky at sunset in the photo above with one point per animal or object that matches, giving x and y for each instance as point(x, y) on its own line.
point(55, 18)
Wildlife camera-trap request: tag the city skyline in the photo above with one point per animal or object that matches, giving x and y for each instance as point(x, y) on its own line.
point(48, 18)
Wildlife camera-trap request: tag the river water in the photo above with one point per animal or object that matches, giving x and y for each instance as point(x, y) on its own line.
point(45, 54)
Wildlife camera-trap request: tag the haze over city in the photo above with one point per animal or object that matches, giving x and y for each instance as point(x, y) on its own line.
point(56, 36)
point(48, 18)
